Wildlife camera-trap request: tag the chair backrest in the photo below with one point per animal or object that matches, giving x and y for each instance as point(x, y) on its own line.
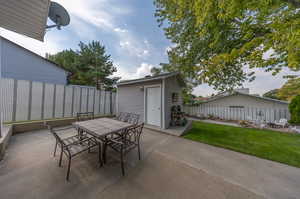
point(85, 116)
point(134, 133)
point(53, 132)
point(133, 118)
point(123, 116)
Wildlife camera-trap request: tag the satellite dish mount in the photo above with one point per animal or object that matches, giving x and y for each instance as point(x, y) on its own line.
point(58, 15)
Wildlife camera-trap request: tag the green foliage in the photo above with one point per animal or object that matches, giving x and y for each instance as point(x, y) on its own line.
point(156, 71)
point(271, 145)
point(290, 89)
point(294, 108)
point(214, 40)
point(272, 94)
point(89, 65)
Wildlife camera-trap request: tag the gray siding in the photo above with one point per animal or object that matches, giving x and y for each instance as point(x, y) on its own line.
point(247, 101)
point(171, 86)
point(130, 98)
point(21, 64)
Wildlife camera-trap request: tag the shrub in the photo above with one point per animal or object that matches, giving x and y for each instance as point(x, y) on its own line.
point(294, 108)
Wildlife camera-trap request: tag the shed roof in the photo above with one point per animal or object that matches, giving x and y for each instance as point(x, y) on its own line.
point(245, 94)
point(151, 78)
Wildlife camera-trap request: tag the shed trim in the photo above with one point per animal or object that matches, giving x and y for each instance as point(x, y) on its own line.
point(146, 79)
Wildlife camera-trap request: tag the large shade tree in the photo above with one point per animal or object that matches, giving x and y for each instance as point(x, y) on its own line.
point(89, 65)
point(289, 90)
point(215, 40)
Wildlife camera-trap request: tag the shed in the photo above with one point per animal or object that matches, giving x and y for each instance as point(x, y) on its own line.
point(151, 97)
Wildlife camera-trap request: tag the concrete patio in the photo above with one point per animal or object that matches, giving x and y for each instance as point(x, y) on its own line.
point(171, 167)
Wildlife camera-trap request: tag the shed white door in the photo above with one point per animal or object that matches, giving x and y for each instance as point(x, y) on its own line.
point(153, 107)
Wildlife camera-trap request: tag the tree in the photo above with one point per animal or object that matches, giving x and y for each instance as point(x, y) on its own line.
point(156, 71)
point(294, 108)
point(272, 94)
point(89, 65)
point(289, 90)
point(66, 59)
point(215, 40)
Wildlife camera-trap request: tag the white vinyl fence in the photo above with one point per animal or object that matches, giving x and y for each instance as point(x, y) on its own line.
point(27, 100)
point(238, 113)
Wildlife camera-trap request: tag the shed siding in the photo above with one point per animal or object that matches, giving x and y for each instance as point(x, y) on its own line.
point(171, 86)
point(130, 98)
point(247, 101)
point(21, 64)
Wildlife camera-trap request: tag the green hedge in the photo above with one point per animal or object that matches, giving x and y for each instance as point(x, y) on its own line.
point(294, 108)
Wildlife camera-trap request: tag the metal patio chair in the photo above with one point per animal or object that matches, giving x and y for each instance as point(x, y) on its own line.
point(123, 116)
point(129, 140)
point(133, 118)
point(83, 116)
point(72, 146)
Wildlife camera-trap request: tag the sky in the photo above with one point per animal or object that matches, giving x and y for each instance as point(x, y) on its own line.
point(131, 35)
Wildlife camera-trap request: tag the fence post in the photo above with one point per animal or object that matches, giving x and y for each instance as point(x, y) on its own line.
point(72, 103)
point(15, 95)
point(29, 101)
point(100, 102)
point(54, 101)
point(87, 99)
point(94, 98)
point(80, 98)
point(64, 101)
point(104, 108)
point(110, 102)
point(43, 101)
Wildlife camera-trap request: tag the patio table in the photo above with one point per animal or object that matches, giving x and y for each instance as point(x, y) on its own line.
point(102, 127)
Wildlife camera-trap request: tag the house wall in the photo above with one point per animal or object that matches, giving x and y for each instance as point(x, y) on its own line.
point(171, 86)
point(247, 101)
point(130, 98)
point(21, 64)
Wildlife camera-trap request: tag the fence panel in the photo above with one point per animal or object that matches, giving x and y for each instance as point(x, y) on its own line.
point(36, 102)
point(238, 113)
point(7, 94)
point(26, 100)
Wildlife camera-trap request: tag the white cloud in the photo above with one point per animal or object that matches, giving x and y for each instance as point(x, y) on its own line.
point(120, 30)
point(51, 45)
point(144, 69)
point(141, 71)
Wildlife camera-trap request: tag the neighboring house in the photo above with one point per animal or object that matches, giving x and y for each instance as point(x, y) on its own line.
point(151, 97)
point(20, 63)
point(241, 98)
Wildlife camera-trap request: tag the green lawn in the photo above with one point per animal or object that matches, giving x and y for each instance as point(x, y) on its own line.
point(272, 145)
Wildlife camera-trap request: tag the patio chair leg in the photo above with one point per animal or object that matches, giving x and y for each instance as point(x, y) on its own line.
point(104, 153)
point(55, 149)
point(89, 144)
point(60, 158)
point(69, 168)
point(122, 163)
point(139, 151)
point(100, 155)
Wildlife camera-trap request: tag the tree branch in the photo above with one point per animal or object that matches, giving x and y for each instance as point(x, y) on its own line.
point(295, 3)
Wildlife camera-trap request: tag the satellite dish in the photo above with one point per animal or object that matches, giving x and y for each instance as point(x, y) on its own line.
point(59, 15)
